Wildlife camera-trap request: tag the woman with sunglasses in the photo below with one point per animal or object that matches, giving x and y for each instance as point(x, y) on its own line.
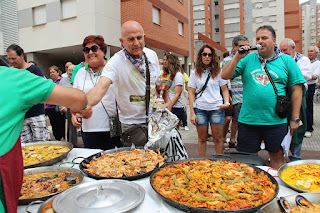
point(205, 100)
point(96, 129)
point(173, 71)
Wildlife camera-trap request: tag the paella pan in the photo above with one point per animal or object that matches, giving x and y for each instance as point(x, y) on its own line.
point(122, 163)
point(302, 175)
point(32, 188)
point(44, 153)
point(205, 185)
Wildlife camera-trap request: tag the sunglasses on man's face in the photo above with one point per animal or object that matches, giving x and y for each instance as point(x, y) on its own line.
point(93, 48)
point(206, 54)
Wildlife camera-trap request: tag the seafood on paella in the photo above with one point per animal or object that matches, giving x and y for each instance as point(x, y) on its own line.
point(125, 163)
point(46, 183)
point(216, 185)
point(305, 176)
point(33, 154)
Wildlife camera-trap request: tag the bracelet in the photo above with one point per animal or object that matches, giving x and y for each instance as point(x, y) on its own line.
point(227, 103)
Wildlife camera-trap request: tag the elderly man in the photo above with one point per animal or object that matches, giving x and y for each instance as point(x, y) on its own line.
point(18, 95)
point(258, 119)
point(128, 70)
point(315, 65)
point(66, 66)
point(236, 89)
point(288, 47)
point(72, 131)
point(34, 125)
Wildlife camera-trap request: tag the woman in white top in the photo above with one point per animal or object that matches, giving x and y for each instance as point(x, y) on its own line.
point(206, 103)
point(96, 129)
point(173, 71)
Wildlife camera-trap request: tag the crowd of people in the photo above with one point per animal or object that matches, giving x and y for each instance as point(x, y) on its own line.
point(237, 93)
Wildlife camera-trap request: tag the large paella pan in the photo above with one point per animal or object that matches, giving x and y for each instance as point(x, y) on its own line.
point(214, 185)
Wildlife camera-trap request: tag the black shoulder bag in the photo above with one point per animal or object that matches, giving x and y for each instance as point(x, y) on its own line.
point(138, 134)
point(201, 91)
point(283, 102)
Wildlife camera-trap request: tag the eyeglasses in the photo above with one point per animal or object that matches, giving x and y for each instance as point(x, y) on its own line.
point(206, 54)
point(93, 48)
point(241, 45)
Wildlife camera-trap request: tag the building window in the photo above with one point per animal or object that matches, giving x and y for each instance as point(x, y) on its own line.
point(216, 3)
point(217, 30)
point(199, 22)
point(68, 9)
point(272, 18)
point(232, 20)
point(231, 6)
point(156, 15)
point(258, 5)
point(196, 36)
point(216, 16)
point(198, 8)
point(259, 19)
point(39, 15)
point(232, 34)
point(209, 22)
point(208, 7)
point(272, 3)
point(180, 28)
point(210, 35)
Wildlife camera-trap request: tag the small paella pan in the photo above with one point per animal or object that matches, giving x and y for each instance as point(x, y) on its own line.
point(44, 153)
point(301, 175)
point(122, 163)
point(43, 182)
point(214, 185)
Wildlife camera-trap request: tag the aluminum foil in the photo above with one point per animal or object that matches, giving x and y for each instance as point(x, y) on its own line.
point(161, 123)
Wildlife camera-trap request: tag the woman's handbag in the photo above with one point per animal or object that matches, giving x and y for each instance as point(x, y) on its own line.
point(283, 102)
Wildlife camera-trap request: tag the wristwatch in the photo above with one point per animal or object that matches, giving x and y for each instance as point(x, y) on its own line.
point(297, 120)
point(227, 103)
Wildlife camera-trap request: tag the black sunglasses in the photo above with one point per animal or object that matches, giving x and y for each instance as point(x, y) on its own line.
point(241, 45)
point(93, 48)
point(206, 54)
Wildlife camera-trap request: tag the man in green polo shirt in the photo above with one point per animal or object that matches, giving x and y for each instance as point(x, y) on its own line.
point(20, 90)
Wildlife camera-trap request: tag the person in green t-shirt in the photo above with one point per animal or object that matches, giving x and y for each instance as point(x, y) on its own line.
point(20, 90)
point(258, 120)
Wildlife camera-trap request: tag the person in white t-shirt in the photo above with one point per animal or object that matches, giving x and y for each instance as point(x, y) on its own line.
point(96, 129)
point(173, 71)
point(126, 70)
point(315, 64)
point(206, 103)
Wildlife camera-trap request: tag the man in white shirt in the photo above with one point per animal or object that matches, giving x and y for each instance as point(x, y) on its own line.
point(315, 64)
point(288, 46)
point(126, 70)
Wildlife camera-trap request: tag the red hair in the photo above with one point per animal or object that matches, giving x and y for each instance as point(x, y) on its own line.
point(98, 39)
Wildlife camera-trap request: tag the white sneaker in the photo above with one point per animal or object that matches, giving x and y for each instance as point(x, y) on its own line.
point(308, 134)
point(262, 146)
point(186, 128)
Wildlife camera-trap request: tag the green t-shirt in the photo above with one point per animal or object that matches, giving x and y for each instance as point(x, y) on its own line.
point(75, 70)
point(19, 90)
point(259, 99)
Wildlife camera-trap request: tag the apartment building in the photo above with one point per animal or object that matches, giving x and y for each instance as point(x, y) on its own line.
point(310, 25)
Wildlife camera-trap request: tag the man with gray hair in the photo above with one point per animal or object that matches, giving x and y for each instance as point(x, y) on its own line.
point(236, 88)
point(288, 47)
point(315, 64)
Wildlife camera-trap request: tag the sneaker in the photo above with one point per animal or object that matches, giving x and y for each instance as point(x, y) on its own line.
point(262, 146)
point(308, 134)
point(186, 128)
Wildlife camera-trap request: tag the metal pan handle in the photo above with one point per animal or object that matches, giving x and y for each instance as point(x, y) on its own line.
point(77, 158)
point(32, 203)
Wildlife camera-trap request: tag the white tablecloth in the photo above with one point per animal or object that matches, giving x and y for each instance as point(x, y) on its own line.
point(152, 201)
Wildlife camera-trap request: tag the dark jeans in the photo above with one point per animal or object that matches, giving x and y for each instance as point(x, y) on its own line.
point(310, 93)
point(57, 121)
point(100, 140)
point(72, 131)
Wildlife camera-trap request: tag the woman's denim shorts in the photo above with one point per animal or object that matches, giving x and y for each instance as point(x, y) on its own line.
point(204, 117)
